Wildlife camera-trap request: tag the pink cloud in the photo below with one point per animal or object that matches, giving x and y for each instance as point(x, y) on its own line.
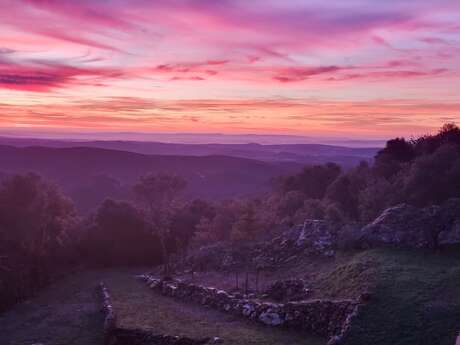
point(383, 117)
point(176, 48)
point(45, 77)
point(434, 40)
point(299, 74)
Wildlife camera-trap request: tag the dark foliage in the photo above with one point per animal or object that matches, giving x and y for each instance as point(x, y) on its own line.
point(35, 221)
point(420, 172)
point(120, 235)
point(312, 181)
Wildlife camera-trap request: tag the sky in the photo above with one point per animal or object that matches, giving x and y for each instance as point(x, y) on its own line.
point(335, 68)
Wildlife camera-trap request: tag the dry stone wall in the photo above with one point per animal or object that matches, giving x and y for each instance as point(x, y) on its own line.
point(327, 318)
point(110, 321)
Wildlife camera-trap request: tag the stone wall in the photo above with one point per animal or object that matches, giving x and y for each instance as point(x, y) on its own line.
point(115, 335)
point(326, 318)
point(110, 320)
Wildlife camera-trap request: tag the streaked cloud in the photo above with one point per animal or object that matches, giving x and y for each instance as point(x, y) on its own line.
point(237, 115)
point(209, 63)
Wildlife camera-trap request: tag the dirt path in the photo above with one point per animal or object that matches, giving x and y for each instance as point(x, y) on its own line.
point(65, 313)
point(137, 306)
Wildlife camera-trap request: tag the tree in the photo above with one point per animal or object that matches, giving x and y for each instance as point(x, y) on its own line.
point(312, 181)
point(247, 226)
point(232, 220)
point(186, 220)
point(34, 214)
point(433, 178)
point(390, 160)
point(288, 204)
point(345, 190)
point(311, 209)
point(378, 194)
point(120, 235)
point(34, 219)
point(157, 195)
point(449, 134)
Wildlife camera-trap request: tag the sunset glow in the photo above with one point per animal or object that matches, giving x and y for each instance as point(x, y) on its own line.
point(338, 68)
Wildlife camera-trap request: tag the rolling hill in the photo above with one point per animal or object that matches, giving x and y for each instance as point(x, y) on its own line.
point(89, 175)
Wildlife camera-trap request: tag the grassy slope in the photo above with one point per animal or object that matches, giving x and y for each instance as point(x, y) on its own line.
point(63, 314)
point(415, 294)
point(139, 307)
point(415, 300)
point(349, 282)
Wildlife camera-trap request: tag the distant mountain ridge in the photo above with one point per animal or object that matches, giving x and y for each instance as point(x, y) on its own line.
point(191, 137)
point(300, 153)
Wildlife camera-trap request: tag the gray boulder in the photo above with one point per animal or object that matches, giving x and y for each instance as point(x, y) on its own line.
point(271, 318)
point(450, 223)
point(402, 226)
point(317, 236)
point(411, 227)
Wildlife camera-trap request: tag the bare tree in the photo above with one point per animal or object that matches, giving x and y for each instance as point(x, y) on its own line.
point(157, 194)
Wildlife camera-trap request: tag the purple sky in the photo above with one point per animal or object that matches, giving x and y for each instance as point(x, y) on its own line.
point(355, 68)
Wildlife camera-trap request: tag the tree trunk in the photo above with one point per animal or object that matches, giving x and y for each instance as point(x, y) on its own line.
point(164, 255)
point(246, 288)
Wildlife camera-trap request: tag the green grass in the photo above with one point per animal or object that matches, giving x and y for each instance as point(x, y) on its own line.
point(65, 313)
point(350, 276)
point(415, 301)
point(415, 298)
point(415, 294)
point(139, 307)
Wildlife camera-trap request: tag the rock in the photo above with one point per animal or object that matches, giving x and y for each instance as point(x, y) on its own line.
point(287, 290)
point(335, 340)
point(248, 309)
point(317, 235)
point(411, 227)
point(450, 237)
point(314, 237)
point(402, 226)
point(271, 318)
point(450, 215)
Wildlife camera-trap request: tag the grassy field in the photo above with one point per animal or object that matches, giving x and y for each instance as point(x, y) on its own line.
point(139, 307)
point(415, 300)
point(65, 313)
